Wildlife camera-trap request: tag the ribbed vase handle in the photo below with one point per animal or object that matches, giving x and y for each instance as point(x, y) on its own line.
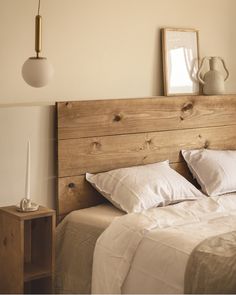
point(199, 71)
point(226, 70)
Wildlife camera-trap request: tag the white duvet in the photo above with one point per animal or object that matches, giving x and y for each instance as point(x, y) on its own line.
point(148, 252)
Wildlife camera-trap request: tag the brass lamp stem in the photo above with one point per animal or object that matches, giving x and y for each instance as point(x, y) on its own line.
point(38, 34)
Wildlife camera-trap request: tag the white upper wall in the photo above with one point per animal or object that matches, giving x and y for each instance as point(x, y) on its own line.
point(106, 48)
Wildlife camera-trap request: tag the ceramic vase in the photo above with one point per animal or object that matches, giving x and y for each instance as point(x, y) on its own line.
point(213, 81)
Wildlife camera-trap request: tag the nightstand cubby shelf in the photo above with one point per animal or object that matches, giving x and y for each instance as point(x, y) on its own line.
point(26, 251)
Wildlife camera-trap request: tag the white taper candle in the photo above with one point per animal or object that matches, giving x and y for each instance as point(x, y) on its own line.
point(27, 181)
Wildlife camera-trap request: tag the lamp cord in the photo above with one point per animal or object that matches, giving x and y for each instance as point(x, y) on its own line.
point(39, 6)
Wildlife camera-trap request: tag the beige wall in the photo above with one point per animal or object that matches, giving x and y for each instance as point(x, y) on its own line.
point(17, 125)
point(106, 48)
point(99, 49)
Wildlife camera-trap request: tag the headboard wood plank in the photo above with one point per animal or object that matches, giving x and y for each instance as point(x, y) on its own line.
point(97, 154)
point(123, 116)
point(76, 192)
point(97, 136)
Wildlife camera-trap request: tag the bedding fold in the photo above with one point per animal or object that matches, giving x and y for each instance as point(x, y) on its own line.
point(148, 252)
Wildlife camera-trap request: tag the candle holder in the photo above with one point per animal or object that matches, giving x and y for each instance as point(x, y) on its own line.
point(26, 205)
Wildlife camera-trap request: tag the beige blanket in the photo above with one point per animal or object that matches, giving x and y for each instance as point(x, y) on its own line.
point(211, 268)
point(76, 237)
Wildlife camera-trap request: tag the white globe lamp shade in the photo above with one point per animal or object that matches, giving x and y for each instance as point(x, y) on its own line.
point(37, 71)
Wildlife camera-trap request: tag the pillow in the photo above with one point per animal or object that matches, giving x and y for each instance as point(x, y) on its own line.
point(134, 189)
point(215, 170)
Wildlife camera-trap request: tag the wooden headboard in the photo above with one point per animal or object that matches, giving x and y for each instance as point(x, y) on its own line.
point(100, 135)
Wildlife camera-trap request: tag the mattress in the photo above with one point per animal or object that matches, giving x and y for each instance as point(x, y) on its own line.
point(76, 237)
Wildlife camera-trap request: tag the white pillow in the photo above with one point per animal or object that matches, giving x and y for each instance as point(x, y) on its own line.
point(134, 189)
point(215, 170)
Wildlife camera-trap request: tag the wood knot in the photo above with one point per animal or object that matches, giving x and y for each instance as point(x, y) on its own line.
point(117, 118)
point(68, 105)
point(5, 241)
point(96, 144)
point(206, 144)
point(187, 107)
point(71, 185)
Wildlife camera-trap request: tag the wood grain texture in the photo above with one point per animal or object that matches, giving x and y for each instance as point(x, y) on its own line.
point(27, 242)
point(41, 212)
point(26, 249)
point(78, 156)
point(97, 136)
point(11, 254)
point(76, 193)
point(125, 116)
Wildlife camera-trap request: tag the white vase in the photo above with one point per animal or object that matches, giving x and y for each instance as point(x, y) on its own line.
point(213, 81)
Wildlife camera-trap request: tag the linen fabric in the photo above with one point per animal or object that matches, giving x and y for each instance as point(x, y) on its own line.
point(147, 252)
point(211, 268)
point(76, 237)
point(214, 170)
point(138, 188)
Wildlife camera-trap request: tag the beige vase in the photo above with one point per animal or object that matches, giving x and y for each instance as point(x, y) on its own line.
point(213, 81)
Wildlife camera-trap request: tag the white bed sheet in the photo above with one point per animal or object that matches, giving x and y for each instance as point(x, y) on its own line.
point(76, 236)
point(148, 252)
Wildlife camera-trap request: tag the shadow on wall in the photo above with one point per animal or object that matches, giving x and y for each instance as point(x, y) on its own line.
point(157, 82)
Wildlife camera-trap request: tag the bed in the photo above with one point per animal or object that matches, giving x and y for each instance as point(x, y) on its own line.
point(101, 135)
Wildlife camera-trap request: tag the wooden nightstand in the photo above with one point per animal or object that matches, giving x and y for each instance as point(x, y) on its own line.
point(26, 250)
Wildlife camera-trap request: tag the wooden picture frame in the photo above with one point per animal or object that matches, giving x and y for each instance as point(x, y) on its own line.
point(180, 50)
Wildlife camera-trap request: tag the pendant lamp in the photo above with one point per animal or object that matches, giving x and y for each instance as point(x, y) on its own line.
point(37, 71)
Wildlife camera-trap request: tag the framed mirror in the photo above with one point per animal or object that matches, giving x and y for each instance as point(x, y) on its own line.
point(180, 50)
